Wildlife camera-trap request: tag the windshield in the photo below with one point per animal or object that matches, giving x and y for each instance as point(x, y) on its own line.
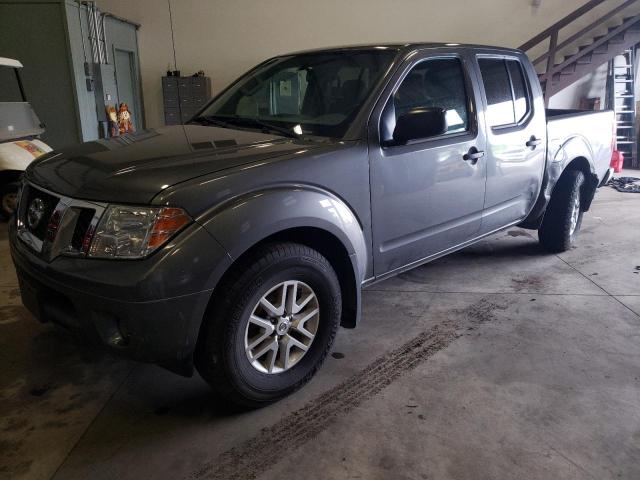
point(315, 93)
point(17, 118)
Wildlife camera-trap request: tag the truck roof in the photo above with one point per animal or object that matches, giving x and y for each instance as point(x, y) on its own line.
point(405, 46)
point(10, 62)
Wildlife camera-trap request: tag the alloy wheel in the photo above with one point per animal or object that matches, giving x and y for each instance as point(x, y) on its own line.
point(575, 214)
point(282, 327)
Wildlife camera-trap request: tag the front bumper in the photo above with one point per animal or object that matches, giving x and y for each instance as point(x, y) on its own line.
point(150, 310)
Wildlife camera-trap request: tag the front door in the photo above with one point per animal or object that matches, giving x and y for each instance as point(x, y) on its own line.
point(427, 196)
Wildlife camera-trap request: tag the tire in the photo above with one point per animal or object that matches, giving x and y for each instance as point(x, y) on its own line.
point(561, 222)
point(8, 199)
point(246, 380)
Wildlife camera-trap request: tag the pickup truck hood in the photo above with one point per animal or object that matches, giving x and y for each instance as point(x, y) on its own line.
point(134, 168)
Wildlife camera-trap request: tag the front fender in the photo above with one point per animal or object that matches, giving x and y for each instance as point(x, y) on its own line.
point(243, 221)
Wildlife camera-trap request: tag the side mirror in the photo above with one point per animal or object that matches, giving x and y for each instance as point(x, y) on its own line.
point(420, 123)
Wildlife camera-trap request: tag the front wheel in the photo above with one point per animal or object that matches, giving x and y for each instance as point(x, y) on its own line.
point(563, 217)
point(270, 326)
point(8, 199)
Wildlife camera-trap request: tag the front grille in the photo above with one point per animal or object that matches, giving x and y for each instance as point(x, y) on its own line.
point(37, 210)
point(53, 224)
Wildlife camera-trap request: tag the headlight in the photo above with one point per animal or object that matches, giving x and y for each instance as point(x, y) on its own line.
point(134, 232)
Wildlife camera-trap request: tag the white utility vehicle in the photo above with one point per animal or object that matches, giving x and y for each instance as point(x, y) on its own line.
point(20, 128)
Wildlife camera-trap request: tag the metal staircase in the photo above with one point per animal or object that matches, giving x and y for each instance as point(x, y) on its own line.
point(564, 53)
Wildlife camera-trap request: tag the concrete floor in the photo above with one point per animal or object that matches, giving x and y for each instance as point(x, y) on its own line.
point(501, 361)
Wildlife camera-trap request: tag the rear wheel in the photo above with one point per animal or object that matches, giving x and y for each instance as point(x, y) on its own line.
point(563, 217)
point(270, 326)
point(8, 199)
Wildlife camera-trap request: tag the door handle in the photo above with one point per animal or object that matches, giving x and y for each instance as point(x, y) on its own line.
point(473, 155)
point(533, 142)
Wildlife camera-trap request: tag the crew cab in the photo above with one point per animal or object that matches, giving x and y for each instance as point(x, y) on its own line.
point(240, 241)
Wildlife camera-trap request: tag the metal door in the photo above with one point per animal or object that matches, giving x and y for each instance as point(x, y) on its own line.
point(125, 81)
point(426, 197)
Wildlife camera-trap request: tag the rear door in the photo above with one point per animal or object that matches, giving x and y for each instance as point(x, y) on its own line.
point(425, 197)
point(516, 139)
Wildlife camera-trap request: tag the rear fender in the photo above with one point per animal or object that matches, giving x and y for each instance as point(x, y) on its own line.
point(574, 153)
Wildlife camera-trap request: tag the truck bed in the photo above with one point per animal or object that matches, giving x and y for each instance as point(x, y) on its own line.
point(593, 128)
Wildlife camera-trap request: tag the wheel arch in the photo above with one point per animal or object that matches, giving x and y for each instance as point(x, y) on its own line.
point(574, 154)
point(311, 217)
point(331, 248)
point(590, 184)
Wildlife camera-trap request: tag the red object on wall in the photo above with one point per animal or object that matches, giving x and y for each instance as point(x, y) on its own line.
point(617, 160)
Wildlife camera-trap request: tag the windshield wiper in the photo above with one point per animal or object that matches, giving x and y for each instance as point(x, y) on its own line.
point(231, 122)
point(266, 126)
point(211, 121)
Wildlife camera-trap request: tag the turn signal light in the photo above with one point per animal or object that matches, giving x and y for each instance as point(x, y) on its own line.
point(167, 223)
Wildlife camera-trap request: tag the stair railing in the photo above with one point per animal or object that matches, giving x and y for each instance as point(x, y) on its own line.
point(552, 33)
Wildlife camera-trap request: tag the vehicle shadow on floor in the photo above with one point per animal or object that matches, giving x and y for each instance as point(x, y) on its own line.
point(485, 254)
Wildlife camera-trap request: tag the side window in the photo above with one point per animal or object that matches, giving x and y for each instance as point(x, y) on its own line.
point(498, 90)
point(506, 91)
point(432, 84)
point(520, 95)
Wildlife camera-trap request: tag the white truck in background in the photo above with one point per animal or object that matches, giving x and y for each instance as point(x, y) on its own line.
point(20, 128)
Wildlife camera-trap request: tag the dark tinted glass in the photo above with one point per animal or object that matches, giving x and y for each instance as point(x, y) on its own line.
point(432, 84)
point(498, 89)
point(519, 89)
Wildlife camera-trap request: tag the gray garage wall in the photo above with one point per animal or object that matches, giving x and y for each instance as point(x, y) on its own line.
point(47, 37)
point(593, 85)
point(37, 37)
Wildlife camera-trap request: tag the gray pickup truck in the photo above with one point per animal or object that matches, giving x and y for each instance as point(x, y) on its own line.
point(241, 241)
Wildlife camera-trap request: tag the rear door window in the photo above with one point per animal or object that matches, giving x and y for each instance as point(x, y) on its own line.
point(506, 91)
point(520, 96)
